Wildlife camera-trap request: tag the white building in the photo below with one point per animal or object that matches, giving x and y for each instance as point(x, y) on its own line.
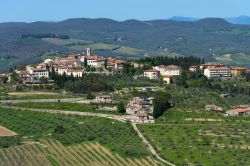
point(222, 72)
point(103, 99)
point(193, 68)
point(93, 61)
point(171, 70)
point(76, 72)
point(152, 74)
point(39, 72)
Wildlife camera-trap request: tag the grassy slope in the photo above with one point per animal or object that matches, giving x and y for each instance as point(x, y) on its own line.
point(117, 136)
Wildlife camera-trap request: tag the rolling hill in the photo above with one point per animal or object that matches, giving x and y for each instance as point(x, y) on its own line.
point(209, 38)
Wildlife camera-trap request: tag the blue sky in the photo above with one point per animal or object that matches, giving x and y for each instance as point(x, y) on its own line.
point(55, 10)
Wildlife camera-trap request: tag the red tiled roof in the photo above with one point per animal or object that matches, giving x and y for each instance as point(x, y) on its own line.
point(171, 67)
point(220, 68)
point(212, 65)
point(240, 110)
point(239, 68)
point(92, 57)
point(152, 70)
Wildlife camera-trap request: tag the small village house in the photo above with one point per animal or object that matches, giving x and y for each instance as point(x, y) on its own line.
point(103, 99)
point(171, 70)
point(193, 68)
point(152, 74)
point(241, 110)
point(138, 104)
point(213, 108)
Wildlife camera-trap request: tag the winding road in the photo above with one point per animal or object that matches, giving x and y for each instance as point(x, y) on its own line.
point(149, 146)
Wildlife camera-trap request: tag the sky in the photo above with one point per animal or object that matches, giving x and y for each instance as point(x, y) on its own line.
point(57, 10)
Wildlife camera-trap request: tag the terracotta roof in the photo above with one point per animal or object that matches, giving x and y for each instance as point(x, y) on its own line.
point(220, 68)
point(193, 66)
point(91, 57)
point(212, 65)
point(240, 110)
point(243, 106)
point(152, 70)
point(72, 55)
point(239, 68)
point(170, 67)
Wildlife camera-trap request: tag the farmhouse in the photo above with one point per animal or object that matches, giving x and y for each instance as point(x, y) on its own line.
point(171, 70)
point(139, 109)
point(103, 99)
point(193, 68)
point(241, 110)
point(152, 74)
point(138, 104)
point(213, 108)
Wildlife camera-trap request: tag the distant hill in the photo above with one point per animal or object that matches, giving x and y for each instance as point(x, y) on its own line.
point(179, 18)
point(22, 43)
point(239, 20)
point(244, 20)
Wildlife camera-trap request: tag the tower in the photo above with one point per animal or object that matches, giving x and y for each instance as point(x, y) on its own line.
point(88, 51)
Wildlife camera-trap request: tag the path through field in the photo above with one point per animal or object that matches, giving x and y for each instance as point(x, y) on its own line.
point(150, 147)
point(4, 132)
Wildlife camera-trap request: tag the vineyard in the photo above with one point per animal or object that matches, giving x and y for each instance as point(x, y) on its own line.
point(51, 152)
point(48, 139)
point(199, 137)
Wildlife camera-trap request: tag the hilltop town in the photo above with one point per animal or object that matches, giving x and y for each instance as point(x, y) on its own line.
point(183, 92)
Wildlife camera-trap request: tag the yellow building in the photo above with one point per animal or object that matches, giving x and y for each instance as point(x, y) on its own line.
point(238, 71)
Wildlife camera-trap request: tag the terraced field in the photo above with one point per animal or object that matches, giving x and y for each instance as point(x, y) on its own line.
point(50, 152)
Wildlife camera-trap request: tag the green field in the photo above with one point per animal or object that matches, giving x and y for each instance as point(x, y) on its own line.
point(63, 42)
point(234, 59)
point(100, 108)
point(34, 96)
point(117, 136)
point(198, 137)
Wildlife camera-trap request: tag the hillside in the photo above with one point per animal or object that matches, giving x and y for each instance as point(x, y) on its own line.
point(209, 38)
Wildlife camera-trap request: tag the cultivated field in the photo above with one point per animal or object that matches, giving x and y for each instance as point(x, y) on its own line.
point(198, 137)
point(51, 152)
